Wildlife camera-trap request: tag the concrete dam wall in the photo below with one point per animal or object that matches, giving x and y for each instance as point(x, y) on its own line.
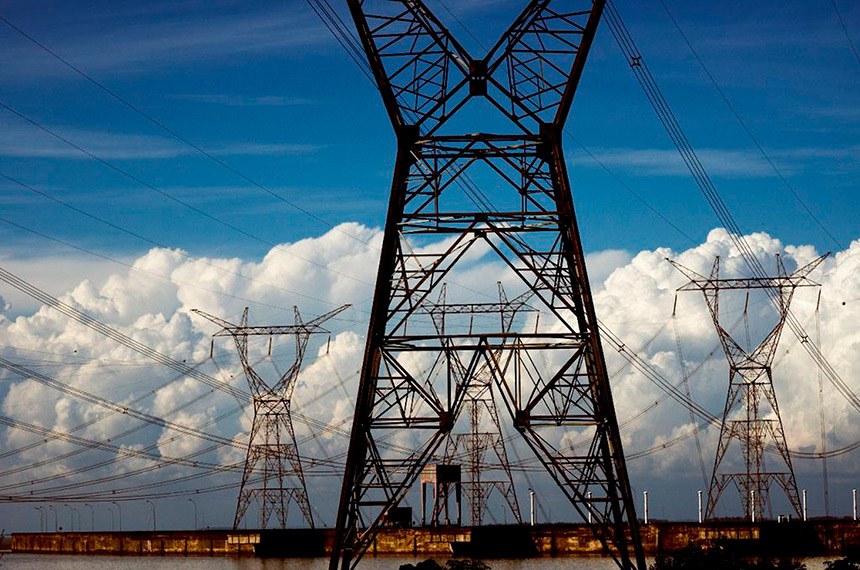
point(796, 538)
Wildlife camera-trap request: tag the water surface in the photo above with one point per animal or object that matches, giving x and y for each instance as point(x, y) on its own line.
point(73, 562)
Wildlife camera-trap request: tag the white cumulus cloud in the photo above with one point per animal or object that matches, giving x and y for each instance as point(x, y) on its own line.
point(634, 295)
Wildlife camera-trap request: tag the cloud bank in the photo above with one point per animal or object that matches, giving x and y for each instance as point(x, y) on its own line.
point(634, 294)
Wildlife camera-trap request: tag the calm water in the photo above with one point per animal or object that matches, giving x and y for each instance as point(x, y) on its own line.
point(42, 562)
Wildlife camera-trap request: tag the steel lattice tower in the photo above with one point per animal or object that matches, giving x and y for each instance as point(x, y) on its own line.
point(758, 424)
point(273, 453)
point(551, 379)
point(484, 435)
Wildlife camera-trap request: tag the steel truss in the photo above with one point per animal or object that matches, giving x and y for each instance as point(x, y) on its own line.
point(759, 425)
point(549, 373)
point(273, 452)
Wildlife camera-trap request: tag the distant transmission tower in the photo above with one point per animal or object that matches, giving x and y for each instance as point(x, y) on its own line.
point(273, 453)
point(483, 439)
point(465, 125)
point(758, 423)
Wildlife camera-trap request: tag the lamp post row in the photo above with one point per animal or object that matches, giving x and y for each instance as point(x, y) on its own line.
point(44, 512)
point(700, 517)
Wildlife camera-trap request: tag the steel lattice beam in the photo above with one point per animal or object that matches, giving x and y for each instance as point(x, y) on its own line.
point(418, 378)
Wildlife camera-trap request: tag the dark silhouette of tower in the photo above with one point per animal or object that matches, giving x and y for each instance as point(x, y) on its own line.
point(273, 453)
point(480, 171)
point(758, 423)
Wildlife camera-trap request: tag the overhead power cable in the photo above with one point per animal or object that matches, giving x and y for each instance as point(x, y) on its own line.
point(96, 497)
point(114, 406)
point(654, 376)
point(152, 242)
point(129, 452)
point(135, 269)
point(312, 462)
point(119, 337)
point(138, 180)
point(79, 450)
point(848, 37)
point(747, 129)
point(99, 417)
point(151, 119)
point(710, 192)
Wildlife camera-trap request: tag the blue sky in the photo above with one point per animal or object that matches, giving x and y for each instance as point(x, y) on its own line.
point(267, 90)
point(263, 88)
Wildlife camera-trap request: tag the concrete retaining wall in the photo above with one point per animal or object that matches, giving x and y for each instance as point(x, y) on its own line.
point(825, 537)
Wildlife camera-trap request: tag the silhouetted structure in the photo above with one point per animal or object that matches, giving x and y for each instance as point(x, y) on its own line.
point(550, 376)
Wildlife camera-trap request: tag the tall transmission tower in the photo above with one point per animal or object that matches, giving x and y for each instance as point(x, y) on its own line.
point(465, 125)
point(758, 424)
point(273, 453)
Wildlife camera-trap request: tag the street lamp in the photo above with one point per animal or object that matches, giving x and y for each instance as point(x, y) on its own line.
point(110, 510)
point(92, 516)
point(193, 502)
point(151, 504)
point(531, 506)
point(119, 510)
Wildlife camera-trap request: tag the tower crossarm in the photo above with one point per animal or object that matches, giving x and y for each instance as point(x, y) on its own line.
point(417, 64)
point(536, 65)
point(426, 76)
point(748, 283)
point(310, 328)
point(799, 278)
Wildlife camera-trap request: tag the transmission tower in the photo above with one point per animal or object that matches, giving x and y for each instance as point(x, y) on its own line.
point(273, 453)
point(484, 436)
point(758, 424)
point(415, 380)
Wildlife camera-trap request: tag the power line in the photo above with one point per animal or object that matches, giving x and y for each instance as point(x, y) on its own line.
point(709, 190)
point(747, 129)
point(187, 205)
point(119, 337)
point(136, 269)
point(152, 242)
point(119, 98)
point(845, 30)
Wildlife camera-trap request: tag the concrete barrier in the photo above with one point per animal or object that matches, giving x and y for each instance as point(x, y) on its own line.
point(796, 538)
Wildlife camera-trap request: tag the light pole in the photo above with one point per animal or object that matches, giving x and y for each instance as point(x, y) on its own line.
point(52, 507)
point(588, 496)
point(92, 517)
point(119, 510)
point(110, 510)
point(193, 502)
point(699, 496)
point(532, 506)
point(645, 505)
point(854, 504)
point(804, 504)
point(151, 504)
